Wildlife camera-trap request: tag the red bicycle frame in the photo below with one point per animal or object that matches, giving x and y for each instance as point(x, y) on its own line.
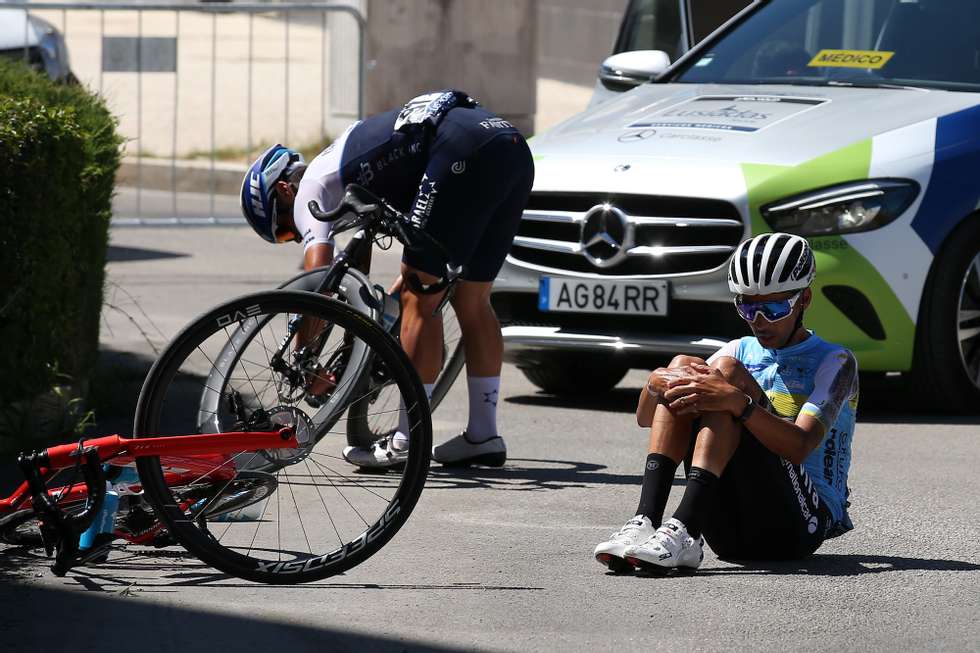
point(185, 459)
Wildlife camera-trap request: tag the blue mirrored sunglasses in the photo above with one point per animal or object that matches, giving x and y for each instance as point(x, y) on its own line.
point(773, 311)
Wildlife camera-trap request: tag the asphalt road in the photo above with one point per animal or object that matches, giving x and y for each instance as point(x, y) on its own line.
point(501, 559)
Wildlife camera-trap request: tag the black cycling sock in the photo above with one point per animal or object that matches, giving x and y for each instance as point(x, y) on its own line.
point(658, 474)
point(699, 482)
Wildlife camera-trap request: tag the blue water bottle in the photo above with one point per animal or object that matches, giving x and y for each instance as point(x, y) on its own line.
point(390, 309)
point(105, 520)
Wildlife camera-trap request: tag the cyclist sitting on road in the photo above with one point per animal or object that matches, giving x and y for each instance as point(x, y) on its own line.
point(764, 427)
point(464, 176)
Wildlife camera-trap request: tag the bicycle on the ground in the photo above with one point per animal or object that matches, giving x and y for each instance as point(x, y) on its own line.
point(316, 517)
point(271, 365)
point(197, 469)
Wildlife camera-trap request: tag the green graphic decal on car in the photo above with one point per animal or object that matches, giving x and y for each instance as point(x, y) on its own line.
point(883, 341)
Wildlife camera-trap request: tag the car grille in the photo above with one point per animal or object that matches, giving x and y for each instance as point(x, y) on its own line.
point(658, 235)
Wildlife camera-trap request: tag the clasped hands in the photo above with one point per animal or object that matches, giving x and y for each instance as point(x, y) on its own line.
point(695, 389)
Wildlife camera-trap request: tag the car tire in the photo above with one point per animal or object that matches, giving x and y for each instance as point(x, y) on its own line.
point(573, 375)
point(947, 356)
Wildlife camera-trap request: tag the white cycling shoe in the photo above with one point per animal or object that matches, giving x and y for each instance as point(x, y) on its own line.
point(670, 547)
point(382, 454)
point(461, 452)
point(611, 552)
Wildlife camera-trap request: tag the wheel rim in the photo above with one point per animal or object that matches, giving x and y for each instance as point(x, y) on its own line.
point(968, 321)
point(322, 517)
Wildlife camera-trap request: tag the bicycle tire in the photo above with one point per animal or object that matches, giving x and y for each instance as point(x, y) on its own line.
point(360, 430)
point(167, 406)
point(21, 529)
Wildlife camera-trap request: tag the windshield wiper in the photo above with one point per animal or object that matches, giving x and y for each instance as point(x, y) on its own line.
point(841, 82)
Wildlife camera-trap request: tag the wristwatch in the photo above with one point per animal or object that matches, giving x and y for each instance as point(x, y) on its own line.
point(747, 411)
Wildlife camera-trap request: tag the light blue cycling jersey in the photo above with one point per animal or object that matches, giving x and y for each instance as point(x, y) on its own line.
point(814, 378)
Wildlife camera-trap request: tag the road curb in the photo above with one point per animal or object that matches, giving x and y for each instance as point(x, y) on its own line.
point(187, 176)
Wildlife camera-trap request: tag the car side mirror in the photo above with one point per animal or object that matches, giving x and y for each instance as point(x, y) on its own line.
point(623, 71)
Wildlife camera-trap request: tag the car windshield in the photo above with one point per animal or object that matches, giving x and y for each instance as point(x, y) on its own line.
point(921, 43)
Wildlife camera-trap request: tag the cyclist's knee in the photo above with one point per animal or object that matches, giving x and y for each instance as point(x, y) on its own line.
point(682, 360)
point(735, 373)
point(728, 365)
point(409, 272)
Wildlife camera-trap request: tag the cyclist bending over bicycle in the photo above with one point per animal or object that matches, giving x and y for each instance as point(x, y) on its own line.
point(464, 176)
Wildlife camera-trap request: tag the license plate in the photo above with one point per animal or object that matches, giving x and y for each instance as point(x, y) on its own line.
point(600, 296)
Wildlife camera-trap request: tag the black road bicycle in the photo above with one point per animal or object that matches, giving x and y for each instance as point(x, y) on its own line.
point(374, 222)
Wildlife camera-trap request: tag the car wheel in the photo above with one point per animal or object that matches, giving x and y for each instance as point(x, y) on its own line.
point(575, 375)
point(947, 360)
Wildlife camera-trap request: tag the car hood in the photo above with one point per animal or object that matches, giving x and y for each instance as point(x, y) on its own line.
point(687, 124)
point(14, 26)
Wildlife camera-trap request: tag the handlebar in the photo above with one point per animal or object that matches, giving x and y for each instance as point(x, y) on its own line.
point(356, 199)
point(60, 531)
point(359, 207)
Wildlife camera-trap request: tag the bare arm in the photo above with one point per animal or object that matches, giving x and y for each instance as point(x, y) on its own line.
point(710, 391)
point(790, 440)
point(317, 255)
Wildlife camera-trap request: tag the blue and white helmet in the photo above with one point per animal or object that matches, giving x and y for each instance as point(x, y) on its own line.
point(258, 196)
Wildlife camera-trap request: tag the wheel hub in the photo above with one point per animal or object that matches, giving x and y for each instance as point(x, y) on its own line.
point(281, 416)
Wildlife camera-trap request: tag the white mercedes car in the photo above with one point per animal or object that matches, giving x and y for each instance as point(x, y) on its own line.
point(854, 124)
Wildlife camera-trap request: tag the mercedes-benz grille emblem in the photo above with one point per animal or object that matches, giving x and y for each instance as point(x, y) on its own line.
point(606, 236)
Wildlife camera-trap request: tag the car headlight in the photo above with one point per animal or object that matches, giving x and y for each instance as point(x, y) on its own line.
point(844, 209)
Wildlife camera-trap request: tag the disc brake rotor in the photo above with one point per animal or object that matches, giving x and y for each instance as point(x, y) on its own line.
point(281, 416)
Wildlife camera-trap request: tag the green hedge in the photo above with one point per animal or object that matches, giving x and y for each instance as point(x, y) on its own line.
point(59, 152)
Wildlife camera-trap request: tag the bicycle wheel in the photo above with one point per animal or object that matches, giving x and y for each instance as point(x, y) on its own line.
point(375, 414)
point(23, 528)
point(323, 518)
point(453, 356)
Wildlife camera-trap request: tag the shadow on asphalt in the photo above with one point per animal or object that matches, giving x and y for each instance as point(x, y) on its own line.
point(42, 618)
point(135, 569)
point(530, 474)
point(883, 400)
point(118, 254)
point(842, 565)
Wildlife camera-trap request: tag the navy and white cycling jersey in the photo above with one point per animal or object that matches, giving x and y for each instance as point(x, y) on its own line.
point(814, 378)
point(399, 155)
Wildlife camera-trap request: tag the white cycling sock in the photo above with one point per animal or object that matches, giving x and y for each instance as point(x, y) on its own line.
point(484, 393)
point(400, 440)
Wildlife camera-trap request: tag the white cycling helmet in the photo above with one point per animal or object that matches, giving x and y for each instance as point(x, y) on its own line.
point(771, 263)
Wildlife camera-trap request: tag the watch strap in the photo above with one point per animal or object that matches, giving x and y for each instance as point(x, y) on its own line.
point(747, 411)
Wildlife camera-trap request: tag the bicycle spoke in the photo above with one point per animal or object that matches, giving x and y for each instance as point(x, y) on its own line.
point(324, 504)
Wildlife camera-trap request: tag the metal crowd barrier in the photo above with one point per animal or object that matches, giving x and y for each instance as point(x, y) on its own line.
point(191, 82)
